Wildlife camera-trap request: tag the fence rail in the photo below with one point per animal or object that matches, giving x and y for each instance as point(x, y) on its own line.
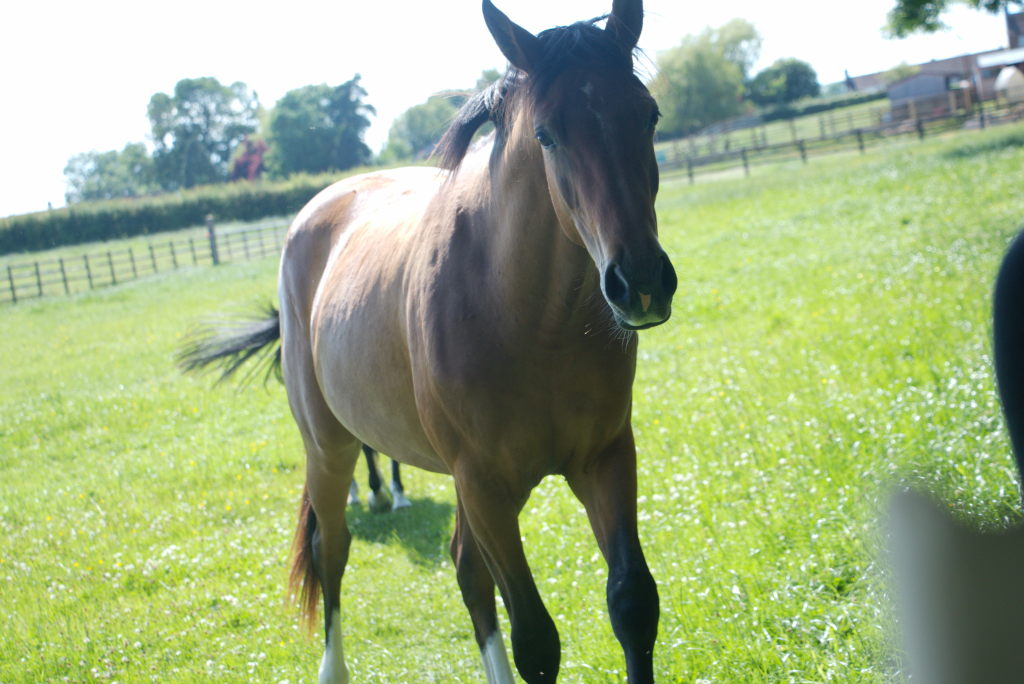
point(830, 132)
point(68, 275)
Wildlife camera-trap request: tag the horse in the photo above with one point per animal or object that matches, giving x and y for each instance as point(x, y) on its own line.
point(481, 320)
point(376, 500)
point(1008, 343)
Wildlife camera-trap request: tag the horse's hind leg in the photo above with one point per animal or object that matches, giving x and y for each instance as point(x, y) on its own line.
point(477, 587)
point(322, 539)
point(606, 486)
point(377, 499)
point(398, 499)
point(328, 539)
point(373, 480)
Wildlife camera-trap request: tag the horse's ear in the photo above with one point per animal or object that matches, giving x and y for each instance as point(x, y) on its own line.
point(520, 47)
point(625, 22)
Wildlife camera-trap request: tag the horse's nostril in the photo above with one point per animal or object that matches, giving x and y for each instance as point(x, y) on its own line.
point(616, 289)
point(669, 282)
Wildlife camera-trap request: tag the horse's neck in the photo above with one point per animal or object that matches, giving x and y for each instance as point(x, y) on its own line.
point(540, 274)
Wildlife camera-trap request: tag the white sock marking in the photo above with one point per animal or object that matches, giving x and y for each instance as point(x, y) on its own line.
point(398, 499)
point(332, 667)
point(496, 660)
point(353, 494)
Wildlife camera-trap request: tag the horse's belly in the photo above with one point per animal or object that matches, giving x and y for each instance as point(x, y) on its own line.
point(362, 366)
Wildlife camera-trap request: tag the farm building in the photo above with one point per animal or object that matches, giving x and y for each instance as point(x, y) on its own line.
point(975, 72)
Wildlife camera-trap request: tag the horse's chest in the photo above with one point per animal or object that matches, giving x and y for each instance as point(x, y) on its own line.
point(517, 403)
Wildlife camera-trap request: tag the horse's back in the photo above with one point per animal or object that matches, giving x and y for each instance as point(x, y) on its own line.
point(374, 203)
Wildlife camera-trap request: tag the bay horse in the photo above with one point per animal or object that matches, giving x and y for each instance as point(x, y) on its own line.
point(1008, 344)
point(480, 320)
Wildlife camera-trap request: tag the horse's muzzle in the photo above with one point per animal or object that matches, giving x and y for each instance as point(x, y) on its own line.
point(640, 297)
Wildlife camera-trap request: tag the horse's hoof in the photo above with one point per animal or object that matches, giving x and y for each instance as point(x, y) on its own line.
point(378, 502)
point(399, 501)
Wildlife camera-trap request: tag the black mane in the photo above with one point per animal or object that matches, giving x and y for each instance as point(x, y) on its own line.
point(582, 45)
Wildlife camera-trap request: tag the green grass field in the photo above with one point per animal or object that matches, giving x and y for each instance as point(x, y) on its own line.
point(830, 342)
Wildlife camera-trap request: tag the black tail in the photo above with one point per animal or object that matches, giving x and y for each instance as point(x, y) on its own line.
point(1008, 343)
point(227, 345)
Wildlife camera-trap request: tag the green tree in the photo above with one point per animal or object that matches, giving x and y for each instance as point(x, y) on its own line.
point(785, 81)
point(913, 16)
point(417, 130)
point(109, 175)
point(319, 128)
point(739, 42)
point(700, 81)
point(196, 130)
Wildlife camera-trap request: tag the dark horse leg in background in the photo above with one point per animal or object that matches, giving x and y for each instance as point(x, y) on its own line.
point(375, 500)
point(1008, 343)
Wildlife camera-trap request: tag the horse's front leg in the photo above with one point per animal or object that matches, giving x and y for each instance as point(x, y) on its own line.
point(477, 587)
point(606, 485)
point(492, 512)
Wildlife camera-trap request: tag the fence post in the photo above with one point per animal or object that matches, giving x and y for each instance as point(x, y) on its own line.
point(689, 169)
point(88, 271)
point(981, 112)
point(174, 255)
point(152, 258)
point(39, 281)
point(792, 129)
point(212, 235)
point(746, 164)
point(14, 290)
point(110, 263)
point(803, 151)
point(245, 244)
point(860, 140)
point(192, 248)
point(920, 128)
point(131, 258)
point(64, 275)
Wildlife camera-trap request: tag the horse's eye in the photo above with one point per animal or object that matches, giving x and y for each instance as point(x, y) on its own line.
point(654, 119)
point(545, 139)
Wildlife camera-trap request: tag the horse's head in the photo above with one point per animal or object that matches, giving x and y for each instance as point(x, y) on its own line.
point(593, 121)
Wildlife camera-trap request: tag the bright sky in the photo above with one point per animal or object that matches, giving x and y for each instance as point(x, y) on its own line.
point(77, 76)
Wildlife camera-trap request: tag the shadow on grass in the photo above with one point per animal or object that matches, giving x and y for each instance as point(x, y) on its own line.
point(423, 530)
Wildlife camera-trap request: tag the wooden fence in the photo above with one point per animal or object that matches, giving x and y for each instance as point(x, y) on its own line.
point(68, 275)
point(833, 132)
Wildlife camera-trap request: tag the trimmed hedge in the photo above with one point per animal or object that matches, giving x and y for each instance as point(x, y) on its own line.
point(114, 219)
